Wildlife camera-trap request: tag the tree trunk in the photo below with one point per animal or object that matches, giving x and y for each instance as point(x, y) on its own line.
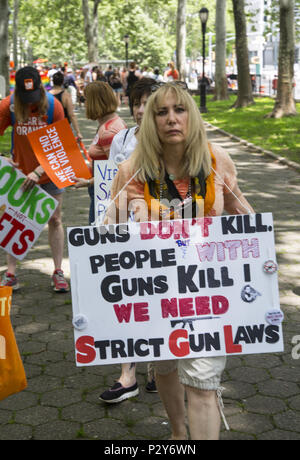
point(221, 85)
point(4, 57)
point(15, 33)
point(181, 38)
point(95, 29)
point(91, 29)
point(285, 104)
point(244, 96)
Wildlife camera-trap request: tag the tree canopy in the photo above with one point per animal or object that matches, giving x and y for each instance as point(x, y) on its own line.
point(54, 29)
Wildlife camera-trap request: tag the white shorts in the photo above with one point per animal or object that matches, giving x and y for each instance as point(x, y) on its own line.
point(201, 373)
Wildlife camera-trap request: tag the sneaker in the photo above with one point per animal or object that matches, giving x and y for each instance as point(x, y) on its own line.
point(118, 393)
point(59, 282)
point(151, 387)
point(10, 280)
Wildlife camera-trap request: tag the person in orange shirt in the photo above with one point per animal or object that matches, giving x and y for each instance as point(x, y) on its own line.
point(32, 109)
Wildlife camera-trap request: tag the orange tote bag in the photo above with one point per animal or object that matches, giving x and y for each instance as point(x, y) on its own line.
point(12, 373)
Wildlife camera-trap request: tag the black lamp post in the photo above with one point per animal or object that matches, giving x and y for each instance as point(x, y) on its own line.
point(203, 13)
point(126, 40)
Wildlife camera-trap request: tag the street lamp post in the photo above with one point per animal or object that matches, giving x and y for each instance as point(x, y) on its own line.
point(203, 13)
point(126, 40)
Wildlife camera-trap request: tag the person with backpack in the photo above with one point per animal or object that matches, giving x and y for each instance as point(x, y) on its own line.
point(101, 105)
point(108, 72)
point(132, 77)
point(157, 76)
point(64, 98)
point(30, 108)
point(116, 84)
point(121, 148)
point(70, 85)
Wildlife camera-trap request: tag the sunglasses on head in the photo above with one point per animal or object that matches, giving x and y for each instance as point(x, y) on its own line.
point(159, 84)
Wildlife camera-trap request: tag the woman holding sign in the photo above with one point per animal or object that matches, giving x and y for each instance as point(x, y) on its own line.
point(173, 159)
point(27, 110)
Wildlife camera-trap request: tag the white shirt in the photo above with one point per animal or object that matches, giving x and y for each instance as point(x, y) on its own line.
point(121, 148)
point(50, 75)
point(158, 77)
point(88, 78)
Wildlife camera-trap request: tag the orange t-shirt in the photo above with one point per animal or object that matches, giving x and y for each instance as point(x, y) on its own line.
point(23, 153)
point(173, 73)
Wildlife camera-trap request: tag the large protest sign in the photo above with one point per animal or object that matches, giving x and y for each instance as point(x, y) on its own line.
point(104, 173)
point(58, 153)
point(175, 289)
point(23, 214)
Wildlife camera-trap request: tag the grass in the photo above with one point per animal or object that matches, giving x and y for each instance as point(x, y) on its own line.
point(281, 136)
point(5, 143)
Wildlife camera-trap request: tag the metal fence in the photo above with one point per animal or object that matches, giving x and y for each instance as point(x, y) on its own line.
point(267, 86)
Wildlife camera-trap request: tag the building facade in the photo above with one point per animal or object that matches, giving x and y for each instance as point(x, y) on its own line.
point(263, 36)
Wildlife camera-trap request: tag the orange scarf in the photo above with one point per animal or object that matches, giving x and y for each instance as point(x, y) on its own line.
point(155, 208)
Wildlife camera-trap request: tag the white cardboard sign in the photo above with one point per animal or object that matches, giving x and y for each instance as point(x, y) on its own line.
point(174, 289)
point(104, 173)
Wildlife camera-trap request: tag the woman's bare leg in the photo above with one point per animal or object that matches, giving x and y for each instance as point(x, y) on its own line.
point(171, 393)
point(203, 414)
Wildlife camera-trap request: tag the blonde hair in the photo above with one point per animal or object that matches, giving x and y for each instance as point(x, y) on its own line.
point(100, 100)
point(22, 110)
point(147, 155)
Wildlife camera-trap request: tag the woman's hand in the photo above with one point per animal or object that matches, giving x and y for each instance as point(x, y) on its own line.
point(81, 182)
point(31, 180)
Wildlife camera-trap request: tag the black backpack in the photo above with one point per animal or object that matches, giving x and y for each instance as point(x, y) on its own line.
point(131, 79)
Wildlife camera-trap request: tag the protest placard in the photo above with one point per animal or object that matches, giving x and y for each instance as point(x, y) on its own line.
point(175, 289)
point(58, 153)
point(104, 173)
point(23, 214)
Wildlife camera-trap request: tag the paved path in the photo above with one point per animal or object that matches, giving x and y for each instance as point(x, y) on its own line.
point(262, 396)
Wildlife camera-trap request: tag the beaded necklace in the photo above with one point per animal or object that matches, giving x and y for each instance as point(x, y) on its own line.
point(182, 206)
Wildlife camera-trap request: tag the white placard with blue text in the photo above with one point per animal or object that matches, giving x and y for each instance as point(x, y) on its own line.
point(175, 289)
point(104, 173)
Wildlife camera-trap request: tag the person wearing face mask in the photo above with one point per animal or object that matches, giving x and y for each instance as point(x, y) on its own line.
point(121, 148)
